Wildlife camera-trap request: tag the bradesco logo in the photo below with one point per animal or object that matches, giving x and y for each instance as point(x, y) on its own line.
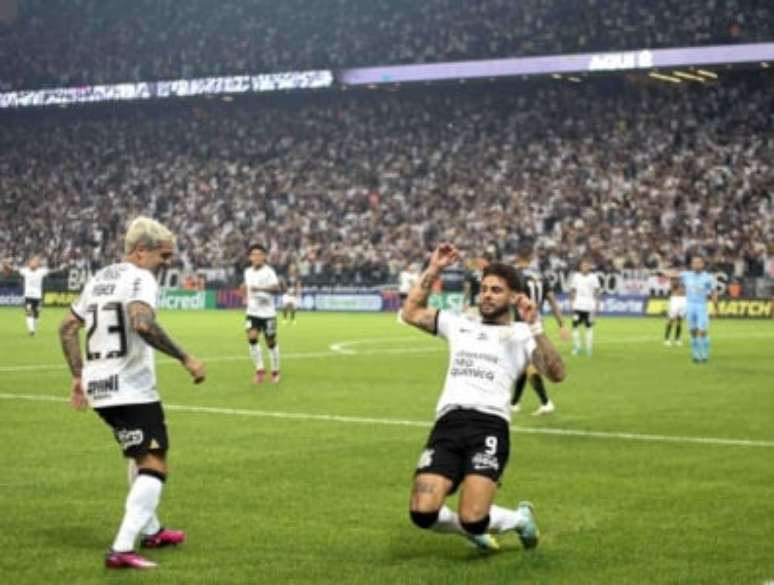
point(183, 300)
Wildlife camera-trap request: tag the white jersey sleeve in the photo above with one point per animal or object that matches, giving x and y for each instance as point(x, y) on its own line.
point(144, 289)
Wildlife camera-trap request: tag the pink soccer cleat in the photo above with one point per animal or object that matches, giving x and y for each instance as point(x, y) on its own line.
point(162, 538)
point(275, 376)
point(260, 376)
point(127, 560)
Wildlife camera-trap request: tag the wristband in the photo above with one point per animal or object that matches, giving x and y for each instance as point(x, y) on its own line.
point(536, 328)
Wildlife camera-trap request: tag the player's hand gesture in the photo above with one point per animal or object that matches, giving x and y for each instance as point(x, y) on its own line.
point(526, 308)
point(444, 256)
point(195, 368)
point(77, 397)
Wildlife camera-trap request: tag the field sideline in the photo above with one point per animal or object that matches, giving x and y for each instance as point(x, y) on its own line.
point(652, 470)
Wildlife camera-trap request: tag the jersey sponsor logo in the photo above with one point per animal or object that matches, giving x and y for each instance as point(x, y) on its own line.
point(463, 366)
point(426, 458)
point(129, 438)
point(101, 388)
point(483, 461)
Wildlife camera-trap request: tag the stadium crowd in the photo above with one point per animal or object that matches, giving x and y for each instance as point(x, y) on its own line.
point(55, 43)
point(349, 187)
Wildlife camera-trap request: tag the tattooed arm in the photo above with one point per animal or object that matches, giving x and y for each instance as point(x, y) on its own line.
point(545, 357)
point(415, 311)
point(71, 347)
point(143, 321)
point(547, 360)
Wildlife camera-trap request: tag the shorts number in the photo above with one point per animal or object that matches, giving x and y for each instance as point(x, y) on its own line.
point(491, 445)
point(117, 328)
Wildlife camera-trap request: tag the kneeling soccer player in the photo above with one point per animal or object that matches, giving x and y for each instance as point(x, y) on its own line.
point(470, 442)
point(118, 380)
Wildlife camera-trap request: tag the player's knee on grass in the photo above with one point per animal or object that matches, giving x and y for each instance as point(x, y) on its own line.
point(424, 520)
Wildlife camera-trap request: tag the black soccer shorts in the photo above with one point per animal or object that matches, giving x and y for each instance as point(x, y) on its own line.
point(32, 306)
point(466, 442)
point(138, 428)
point(584, 317)
point(267, 326)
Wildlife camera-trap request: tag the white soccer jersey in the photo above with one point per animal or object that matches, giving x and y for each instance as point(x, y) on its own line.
point(119, 367)
point(484, 363)
point(585, 287)
point(33, 281)
point(406, 280)
point(260, 304)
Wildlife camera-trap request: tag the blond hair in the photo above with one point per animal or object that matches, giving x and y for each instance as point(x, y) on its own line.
point(146, 232)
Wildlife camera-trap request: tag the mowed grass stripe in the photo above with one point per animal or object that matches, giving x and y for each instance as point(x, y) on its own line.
point(714, 441)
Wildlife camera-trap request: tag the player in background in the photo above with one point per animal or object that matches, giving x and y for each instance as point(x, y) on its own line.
point(675, 312)
point(406, 280)
point(260, 286)
point(472, 285)
point(292, 295)
point(584, 297)
point(470, 441)
point(118, 379)
point(699, 288)
point(33, 274)
point(538, 290)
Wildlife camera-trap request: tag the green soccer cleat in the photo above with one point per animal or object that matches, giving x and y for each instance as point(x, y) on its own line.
point(529, 533)
point(484, 542)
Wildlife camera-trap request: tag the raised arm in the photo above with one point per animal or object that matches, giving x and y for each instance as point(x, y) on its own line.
point(545, 357)
point(415, 310)
point(71, 347)
point(143, 320)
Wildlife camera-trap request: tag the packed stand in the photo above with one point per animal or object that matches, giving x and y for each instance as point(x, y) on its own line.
point(350, 188)
point(57, 43)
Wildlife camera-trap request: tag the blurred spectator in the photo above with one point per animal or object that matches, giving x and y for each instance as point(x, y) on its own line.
point(74, 42)
point(351, 186)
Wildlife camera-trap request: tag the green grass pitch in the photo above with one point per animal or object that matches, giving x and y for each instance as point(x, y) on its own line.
point(270, 492)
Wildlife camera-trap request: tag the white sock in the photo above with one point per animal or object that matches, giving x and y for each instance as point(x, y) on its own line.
point(153, 525)
point(274, 358)
point(141, 504)
point(589, 339)
point(576, 339)
point(503, 519)
point(31, 324)
point(448, 522)
point(257, 355)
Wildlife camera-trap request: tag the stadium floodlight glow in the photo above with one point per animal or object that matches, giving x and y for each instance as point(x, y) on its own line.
point(705, 73)
point(562, 64)
point(691, 76)
point(293, 80)
point(662, 77)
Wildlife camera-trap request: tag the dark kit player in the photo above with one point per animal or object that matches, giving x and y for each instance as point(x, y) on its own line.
point(538, 289)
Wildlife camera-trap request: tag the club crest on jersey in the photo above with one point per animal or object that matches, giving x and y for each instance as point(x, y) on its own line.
point(482, 461)
point(130, 438)
point(426, 458)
